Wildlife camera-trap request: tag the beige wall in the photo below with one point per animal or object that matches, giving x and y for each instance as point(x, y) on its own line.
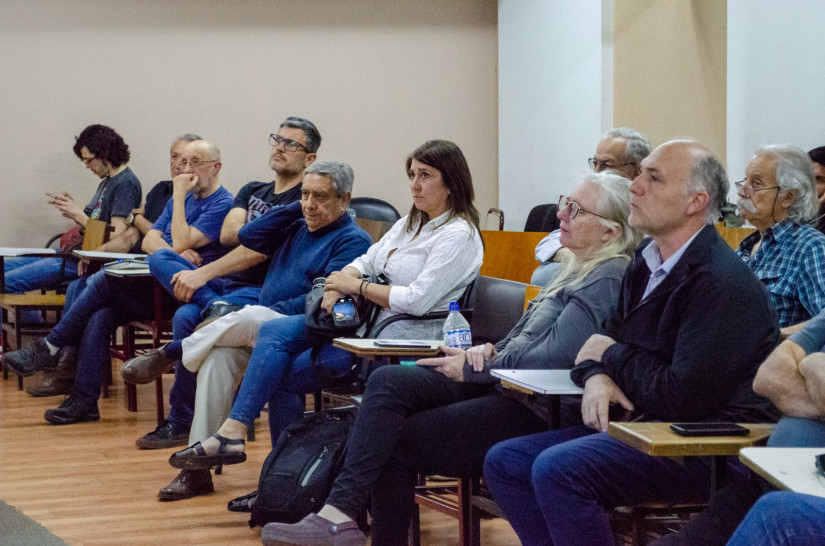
point(669, 76)
point(377, 77)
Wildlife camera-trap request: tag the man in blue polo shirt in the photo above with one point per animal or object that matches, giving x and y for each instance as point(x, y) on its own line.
point(219, 287)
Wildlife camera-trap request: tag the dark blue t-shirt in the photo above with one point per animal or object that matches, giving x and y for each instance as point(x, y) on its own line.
point(116, 196)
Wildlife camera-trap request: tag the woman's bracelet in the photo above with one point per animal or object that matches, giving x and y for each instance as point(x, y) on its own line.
point(364, 284)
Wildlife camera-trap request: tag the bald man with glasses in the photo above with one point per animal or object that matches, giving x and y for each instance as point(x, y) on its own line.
point(231, 282)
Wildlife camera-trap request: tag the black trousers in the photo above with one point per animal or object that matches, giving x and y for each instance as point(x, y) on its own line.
point(415, 420)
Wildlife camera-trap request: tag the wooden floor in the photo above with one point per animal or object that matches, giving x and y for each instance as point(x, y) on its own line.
point(88, 484)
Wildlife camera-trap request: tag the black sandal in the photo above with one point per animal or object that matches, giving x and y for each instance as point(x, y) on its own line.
point(243, 503)
point(194, 457)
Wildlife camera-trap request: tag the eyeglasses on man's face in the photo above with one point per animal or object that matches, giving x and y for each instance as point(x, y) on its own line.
point(573, 208)
point(605, 165)
point(748, 190)
point(194, 162)
point(289, 144)
point(87, 160)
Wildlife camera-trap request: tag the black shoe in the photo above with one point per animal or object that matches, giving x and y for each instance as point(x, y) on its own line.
point(167, 434)
point(73, 410)
point(59, 380)
point(221, 308)
point(67, 362)
point(243, 503)
point(195, 457)
point(33, 358)
point(188, 484)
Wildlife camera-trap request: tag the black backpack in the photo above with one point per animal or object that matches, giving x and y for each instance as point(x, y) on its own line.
point(297, 475)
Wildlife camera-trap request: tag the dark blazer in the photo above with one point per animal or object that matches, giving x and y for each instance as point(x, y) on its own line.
point(689, 352)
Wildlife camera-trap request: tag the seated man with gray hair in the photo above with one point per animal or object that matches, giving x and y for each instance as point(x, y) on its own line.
point(620, 150)
point(305, 240)
point(778, 197)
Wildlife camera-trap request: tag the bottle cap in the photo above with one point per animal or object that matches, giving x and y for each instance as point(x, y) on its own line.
point(454, 306)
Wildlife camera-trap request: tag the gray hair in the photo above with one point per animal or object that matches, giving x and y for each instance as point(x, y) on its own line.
point(708, 175)
point(794, 171)
point(188, 137)
point(638, 146)
point(313, 137)
point(340, 175)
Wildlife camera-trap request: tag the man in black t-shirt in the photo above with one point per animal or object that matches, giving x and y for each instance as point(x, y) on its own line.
point(294, 148)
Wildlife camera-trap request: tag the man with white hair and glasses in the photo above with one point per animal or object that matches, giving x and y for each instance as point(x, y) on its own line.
point(787, 254)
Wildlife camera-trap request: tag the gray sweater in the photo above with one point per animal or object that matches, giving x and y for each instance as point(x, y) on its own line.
point(551, 332)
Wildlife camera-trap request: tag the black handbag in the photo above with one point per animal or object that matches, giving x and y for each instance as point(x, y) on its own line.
point(322, 325)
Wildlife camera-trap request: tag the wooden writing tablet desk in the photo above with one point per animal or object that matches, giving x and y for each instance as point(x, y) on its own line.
point(658, 440)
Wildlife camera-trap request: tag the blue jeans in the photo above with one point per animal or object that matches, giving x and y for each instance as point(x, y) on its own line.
point(165, 263)
point(798, 432)
point(25, 274)
point(73, 291)
point(555, 486)
point(92, 319)
point(182, 394)
point(783, 519)
point(281, 371)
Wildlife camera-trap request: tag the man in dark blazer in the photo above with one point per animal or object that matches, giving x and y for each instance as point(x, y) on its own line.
point(692, 326)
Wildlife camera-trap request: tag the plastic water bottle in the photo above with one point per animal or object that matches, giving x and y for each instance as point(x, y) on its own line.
point(456, 329)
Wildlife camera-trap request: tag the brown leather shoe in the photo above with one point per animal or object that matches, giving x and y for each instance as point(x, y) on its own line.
point(189, 483)
point(146, 367)
point(315, 531)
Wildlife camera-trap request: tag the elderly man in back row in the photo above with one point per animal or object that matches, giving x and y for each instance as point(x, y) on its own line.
point(620, 150)
point(778, 197)
point(671, 355)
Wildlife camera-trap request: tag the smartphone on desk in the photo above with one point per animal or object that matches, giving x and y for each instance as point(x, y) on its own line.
point(709, 429)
